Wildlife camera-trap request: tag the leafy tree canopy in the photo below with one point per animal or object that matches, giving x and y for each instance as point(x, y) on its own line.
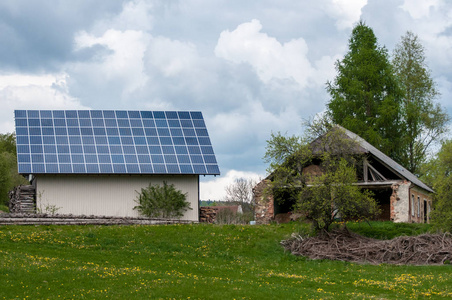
point(8, 143)
point(438, 173)
point(9, 177)
point(365, 97)
point(425, 121)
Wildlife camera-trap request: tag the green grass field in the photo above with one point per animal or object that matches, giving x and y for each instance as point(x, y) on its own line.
point(193, 262)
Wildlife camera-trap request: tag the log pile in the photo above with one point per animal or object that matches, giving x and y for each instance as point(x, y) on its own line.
point(207, 214)
point(343, 245)
point(22, 199)
point(56, 219)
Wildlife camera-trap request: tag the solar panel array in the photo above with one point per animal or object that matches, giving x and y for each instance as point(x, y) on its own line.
point(113, 142)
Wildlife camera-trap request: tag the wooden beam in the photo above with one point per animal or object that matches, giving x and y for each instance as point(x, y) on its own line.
point(366, 169)
point(378, 173)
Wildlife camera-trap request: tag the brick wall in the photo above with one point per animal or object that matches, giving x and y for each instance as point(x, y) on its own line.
point(417, 209)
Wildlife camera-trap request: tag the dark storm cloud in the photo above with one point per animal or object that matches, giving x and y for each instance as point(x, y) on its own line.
point(39, 35)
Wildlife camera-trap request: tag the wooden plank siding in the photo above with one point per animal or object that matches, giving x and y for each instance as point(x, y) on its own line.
point(107, 195)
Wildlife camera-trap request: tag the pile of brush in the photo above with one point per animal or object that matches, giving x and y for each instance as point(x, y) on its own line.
point(347, 246)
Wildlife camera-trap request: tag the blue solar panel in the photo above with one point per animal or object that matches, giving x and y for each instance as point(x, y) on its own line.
point(113, 142)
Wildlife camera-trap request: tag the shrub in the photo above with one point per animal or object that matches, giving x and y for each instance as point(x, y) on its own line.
point(165, 201)
point(227, 216)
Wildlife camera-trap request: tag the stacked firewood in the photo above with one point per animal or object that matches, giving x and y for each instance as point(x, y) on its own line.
point(22, 199)
point(57, 219)
point(207, 214)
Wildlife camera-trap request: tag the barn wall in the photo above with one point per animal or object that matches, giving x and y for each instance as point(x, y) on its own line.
point(107, 195)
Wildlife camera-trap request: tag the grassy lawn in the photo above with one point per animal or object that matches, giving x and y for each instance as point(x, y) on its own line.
point(192, 262)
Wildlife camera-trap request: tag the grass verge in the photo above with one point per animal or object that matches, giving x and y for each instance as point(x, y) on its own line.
point(387, 230)
point(192, 262)
point(4, 208)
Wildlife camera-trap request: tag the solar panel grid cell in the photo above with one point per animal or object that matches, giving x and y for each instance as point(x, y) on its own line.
point(166, 142)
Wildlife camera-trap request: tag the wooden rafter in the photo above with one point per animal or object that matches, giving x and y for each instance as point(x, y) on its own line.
point(369, 169)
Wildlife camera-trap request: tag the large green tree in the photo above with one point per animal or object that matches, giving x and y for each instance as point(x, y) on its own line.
point(438, 173)
point(365, 97)
point(425, 121)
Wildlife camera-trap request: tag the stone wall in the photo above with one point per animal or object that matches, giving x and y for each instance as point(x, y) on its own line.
point(263, 199)
point(400, 202)
point(402, 207)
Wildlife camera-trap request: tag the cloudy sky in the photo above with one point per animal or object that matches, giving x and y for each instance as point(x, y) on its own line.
point(251, 67)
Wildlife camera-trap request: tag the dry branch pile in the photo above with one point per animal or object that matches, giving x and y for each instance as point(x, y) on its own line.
point(347, 246)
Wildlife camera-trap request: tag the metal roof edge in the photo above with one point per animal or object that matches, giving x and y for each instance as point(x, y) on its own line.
point(389, 162)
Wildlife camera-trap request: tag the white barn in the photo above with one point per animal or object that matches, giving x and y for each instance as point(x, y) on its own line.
point(94, 162)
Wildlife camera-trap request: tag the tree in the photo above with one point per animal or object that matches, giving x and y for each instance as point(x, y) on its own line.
point(325, 196)
point(8, 143)
point(165, 201)
point(439, 175)
point(425, 120)
point(365, 97)
point(5, 177)
point(9, 176)
point(241, 192)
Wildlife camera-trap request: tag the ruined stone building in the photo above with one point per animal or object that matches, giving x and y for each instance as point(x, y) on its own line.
point(401, 195)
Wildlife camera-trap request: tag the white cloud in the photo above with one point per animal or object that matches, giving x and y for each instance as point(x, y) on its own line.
point(270, 58)
point(124, 64)
point(18, 80)
point(428, 18)
point(419, 8)
point(324, 69)
point(215, 189)
point(33, 92)
point(431, 20)
point(127, 37)
point(445, 89)
point(135, 15)
point(252, 121)
point(346, 12)
point(171, 57)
